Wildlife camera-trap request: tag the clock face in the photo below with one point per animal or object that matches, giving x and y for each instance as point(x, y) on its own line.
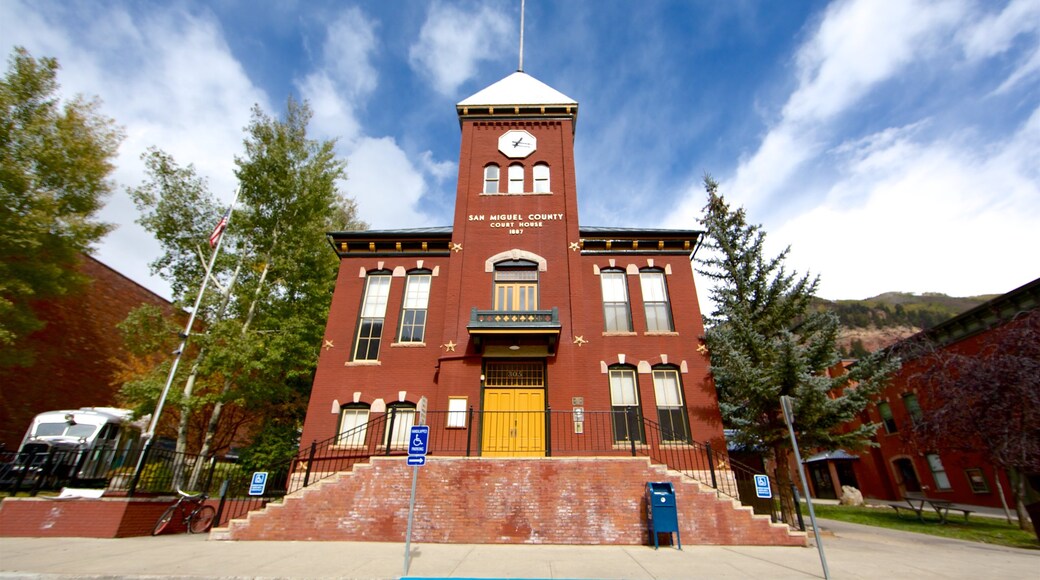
point(517, 144)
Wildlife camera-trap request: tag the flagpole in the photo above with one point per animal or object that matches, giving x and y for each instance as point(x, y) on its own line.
point(150, 433)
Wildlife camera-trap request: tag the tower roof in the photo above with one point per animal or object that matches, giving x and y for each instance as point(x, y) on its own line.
point(518, 89)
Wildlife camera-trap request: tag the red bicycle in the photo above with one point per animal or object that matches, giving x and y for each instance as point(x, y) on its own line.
point(194, 514)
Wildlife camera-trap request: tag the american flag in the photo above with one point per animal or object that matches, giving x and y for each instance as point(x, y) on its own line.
point(219, 229)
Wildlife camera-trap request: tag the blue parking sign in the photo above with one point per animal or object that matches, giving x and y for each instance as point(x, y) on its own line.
point(762, 488)
point(418, 440)
point(258, 484)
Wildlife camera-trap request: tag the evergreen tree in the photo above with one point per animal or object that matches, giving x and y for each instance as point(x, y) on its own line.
point(55, 163)
point(766, 341)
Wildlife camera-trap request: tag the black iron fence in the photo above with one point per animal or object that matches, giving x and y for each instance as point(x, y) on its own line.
point(454, 433)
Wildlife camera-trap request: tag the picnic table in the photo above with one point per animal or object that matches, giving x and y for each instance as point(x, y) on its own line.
point(916, 502)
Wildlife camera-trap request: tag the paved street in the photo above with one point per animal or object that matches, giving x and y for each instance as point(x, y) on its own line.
point(853, 551)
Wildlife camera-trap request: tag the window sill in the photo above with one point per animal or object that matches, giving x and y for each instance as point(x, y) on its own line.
point(347, 447)
point(616, 333)
point(505, 194)
point(626, 445)
point(660, 333)
point(407, 345)
point(362, 363)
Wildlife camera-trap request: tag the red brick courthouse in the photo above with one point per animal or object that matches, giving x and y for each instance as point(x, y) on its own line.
point(561, 363)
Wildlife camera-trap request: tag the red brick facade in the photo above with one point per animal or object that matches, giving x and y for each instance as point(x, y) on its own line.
point(76, 352)
point(513, 501)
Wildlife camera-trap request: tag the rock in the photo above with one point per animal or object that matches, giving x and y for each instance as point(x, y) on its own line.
point(851, 496)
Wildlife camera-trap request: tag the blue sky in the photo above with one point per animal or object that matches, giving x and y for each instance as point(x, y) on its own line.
point(893, 144)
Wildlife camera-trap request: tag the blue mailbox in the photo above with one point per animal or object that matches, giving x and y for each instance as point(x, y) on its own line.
point(661, 511)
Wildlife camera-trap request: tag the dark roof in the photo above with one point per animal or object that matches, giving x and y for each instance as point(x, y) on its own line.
point(404, 233)
point(603, 231)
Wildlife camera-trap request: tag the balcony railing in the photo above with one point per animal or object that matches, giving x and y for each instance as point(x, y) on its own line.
point(514, 319)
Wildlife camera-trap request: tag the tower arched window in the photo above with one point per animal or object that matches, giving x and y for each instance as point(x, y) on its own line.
point(541, 178)
point(516, 285)
point(491, 174)
point(516, 178)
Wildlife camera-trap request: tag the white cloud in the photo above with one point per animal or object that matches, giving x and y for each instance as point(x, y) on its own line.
point(349, 46)
point(997, 33)
point(455, 39)
point(169, 79)
point(933, 216)
point(334, 116)
point(385, 184)
point(857, 46)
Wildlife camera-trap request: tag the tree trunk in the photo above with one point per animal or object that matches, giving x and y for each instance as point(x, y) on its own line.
point(782, 474)
point(1018, 485)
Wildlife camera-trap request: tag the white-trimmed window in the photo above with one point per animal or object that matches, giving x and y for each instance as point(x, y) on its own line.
point(373, 311)
point(353, 425)
point(516, 178)
point(938, 471)
point(403, 417)
point(541, 178)
point(491, 178)
point(457, 412)
point(913, 408)
point(416, 302)
point(671, 413)
point(624, 405)
point(616, 314)
point(655, 301)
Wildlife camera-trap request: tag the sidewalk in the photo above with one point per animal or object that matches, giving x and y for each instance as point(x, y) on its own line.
point(853, 551)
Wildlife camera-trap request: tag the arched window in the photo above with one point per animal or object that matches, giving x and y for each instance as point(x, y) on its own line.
point(516, 285)
point(373, 311)
point(655, 301)
point(491, 179)
point(353, 425)
point(516, 178)
point(413, 311)
point(624, 405)
point(671, 409)
point(541, 178)
point(616, 314)
point(402, 415)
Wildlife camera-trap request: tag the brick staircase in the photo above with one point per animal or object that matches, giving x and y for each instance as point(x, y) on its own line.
point(505, 501)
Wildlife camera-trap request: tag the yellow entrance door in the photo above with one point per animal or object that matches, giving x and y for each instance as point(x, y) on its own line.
point(514, 423)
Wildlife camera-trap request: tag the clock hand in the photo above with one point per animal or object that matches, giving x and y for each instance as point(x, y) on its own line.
point(518, 142)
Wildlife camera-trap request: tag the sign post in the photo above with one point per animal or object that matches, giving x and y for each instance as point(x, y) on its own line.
point(418, 443)
point(785, 405)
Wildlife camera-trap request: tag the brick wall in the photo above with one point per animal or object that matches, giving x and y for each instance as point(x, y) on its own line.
point(79, 518)
point(506, 501)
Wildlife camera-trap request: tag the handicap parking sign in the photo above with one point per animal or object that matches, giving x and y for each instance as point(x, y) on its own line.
point(762, 488)
point(418, 440)
point(258, 484)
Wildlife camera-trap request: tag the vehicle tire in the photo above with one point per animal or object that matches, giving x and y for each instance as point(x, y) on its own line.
point(202, 520)
point(164, 520)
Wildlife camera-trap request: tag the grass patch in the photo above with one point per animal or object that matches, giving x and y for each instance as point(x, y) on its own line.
point(976, 529)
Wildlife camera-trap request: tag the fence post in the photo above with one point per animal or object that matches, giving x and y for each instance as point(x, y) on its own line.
point(390, 431)
point(140, 467)
point(629, 412)
point(25, 471)
point(212, 468)
point(469, 430)
point(548, 431)
point(310, 463)
point(711, 465)
point(797, 507)
point(220, 506)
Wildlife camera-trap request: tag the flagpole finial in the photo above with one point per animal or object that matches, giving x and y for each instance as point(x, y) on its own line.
point(521, 69)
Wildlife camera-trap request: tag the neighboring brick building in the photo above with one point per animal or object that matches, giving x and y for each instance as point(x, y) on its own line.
point(896, 465)
point(517, 308)
point(75, 352)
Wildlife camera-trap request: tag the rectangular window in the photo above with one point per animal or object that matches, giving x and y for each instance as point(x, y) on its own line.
point(624, 403)
point(403, 418)
point(886, 417)
point(938, 471)
point(913, 408)
point(373, 310)
point(516, 179)
point(516, 289)
point(353, 425)
point(491, 179)
point(616, 312)
point(541, 178)
point(655, 301)
point(416, 301)
point(671, 413)
point(977, 480)
point(456, 412)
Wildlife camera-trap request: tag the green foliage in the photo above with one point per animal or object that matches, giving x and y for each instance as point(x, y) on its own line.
point(263, 320)
point(767, 341)
point(895, 309)
point(55, 162)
